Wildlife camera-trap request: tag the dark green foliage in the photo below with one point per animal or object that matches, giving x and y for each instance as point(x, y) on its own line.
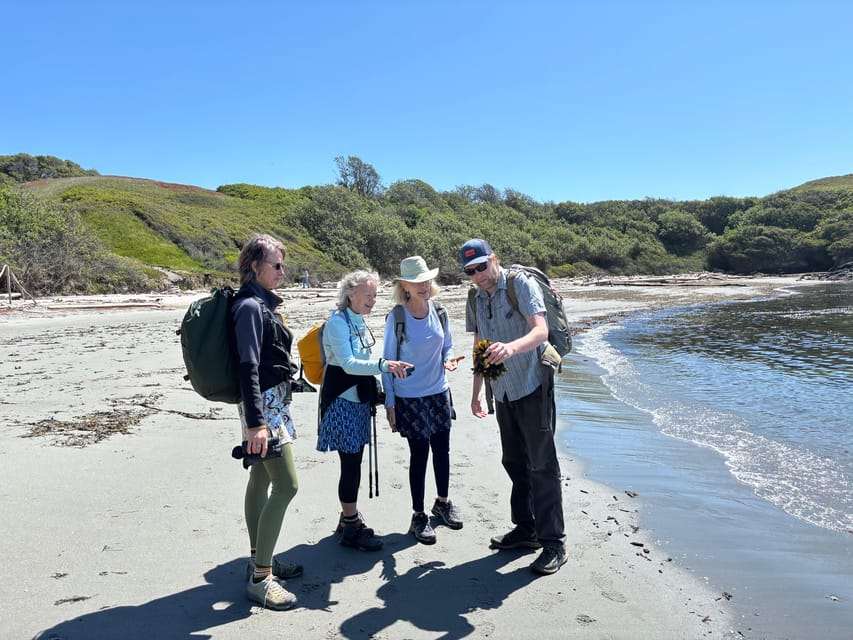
point(681, 232)
point(123, 231)
point(26, 168)
point(836, 233)
point(714, 213)
point(767, 249)
point(357, 175)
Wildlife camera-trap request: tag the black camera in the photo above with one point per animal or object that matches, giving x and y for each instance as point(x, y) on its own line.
point(301, 385)
point(274, 450)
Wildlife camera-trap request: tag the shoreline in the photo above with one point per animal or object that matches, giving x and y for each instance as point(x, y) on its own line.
point(143, 531)
point(780, 569)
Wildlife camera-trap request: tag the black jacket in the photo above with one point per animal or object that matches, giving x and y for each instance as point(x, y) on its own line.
point(263, 346)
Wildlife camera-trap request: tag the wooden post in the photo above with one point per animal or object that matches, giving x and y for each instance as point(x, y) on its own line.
point(6, 270)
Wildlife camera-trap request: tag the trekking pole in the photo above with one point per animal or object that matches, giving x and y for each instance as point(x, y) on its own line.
point(376, 447)
point(370, 454)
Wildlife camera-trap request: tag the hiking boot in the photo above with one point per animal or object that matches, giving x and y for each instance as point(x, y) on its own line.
point(270, 593)
point(550, 560)
point(422, 529)
point(518, 538)
point(447, 513)
point(358, 536)
point(281, 570)
point(340, 528)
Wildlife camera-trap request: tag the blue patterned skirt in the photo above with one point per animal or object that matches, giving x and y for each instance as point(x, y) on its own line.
point(423, 417)
point(345, 426)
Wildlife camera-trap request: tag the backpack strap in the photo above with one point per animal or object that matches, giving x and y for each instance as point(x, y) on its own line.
point(441, 312)
point(511, 275)
point(399, 314)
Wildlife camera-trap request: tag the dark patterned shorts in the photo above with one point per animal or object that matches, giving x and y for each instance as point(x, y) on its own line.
point(423, 417)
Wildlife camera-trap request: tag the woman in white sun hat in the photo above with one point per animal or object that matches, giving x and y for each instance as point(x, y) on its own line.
point(419, 406)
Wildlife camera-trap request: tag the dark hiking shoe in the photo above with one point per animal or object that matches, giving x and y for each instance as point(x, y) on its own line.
point(518, 538)
point(422, 529)
point(282, 570)
point(356, 535)
point(447, 513)
point(550, 560)
point(340, 528)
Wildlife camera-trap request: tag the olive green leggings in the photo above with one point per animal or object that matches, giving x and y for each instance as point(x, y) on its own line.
point(264, 508)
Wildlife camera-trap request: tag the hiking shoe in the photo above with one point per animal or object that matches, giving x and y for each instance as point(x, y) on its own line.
point(422, 529)
point(270, 593)
point(281, 570)
point(518, 538)
point(358, 536)
point(340, 528)
point(447, 513)
point(550, 560)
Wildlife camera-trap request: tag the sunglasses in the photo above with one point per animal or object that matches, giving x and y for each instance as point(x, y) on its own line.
point(278, 266)
point(476, 269)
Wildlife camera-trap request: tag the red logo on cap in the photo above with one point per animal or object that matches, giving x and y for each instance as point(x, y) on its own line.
point(470, 253)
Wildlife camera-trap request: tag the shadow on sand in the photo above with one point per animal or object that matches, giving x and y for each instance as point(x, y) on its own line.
point(430, 596)
point(179, 615)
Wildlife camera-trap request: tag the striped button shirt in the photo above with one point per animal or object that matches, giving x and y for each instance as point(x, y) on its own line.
point(496, 320)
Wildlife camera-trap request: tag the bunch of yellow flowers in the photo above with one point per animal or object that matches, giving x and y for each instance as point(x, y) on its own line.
point(483, 366)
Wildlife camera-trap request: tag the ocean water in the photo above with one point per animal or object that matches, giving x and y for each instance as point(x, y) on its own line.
point(733, 424)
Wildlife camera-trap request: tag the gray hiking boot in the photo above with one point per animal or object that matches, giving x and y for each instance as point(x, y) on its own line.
point(447, 513)
point(422, 529)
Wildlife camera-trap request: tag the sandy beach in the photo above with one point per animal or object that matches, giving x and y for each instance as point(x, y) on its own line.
point(122, 508)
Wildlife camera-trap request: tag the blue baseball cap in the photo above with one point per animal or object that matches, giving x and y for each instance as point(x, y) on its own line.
point(474, 251)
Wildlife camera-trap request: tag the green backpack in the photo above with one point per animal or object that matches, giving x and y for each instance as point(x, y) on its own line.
point(207, 345)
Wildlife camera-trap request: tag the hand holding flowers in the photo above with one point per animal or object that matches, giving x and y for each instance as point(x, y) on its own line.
point(482, 366)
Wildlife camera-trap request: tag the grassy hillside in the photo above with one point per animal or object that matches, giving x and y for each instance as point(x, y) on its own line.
point(108, 233)
point(192, 231)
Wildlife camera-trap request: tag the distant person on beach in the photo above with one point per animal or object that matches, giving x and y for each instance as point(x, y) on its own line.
point(263, 345)
point(418, 407)
point(306, 279)
point(349, 393)
point(524, 400)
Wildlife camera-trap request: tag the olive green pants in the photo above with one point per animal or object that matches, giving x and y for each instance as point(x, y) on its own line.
point(265, 507)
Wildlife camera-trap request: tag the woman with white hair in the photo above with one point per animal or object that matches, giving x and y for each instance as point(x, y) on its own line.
point(348, 392)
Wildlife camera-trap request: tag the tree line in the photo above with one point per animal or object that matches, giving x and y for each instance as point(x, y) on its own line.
point(361, 223)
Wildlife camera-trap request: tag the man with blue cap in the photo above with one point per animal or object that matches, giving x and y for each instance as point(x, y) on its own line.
point(508, 343)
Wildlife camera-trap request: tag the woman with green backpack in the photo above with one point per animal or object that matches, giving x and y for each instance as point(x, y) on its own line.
point(263, 348)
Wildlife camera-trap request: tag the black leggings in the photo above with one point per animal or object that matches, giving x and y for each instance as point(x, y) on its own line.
point(350, 476)
point(419, 454)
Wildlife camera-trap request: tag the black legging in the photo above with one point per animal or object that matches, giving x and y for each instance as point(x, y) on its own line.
point(419, 454)
point(350, 476)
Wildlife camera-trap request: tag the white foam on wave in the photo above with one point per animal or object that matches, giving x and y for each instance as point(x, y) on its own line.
point(800, 482)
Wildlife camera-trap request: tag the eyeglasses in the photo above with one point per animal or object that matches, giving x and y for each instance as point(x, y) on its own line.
point(366, 341)
point(278, 266)
point(476, 269)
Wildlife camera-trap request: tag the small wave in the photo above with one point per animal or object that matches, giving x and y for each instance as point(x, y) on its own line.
point(800, 482)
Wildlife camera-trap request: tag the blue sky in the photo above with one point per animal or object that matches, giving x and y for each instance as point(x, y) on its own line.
point(560, 100)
